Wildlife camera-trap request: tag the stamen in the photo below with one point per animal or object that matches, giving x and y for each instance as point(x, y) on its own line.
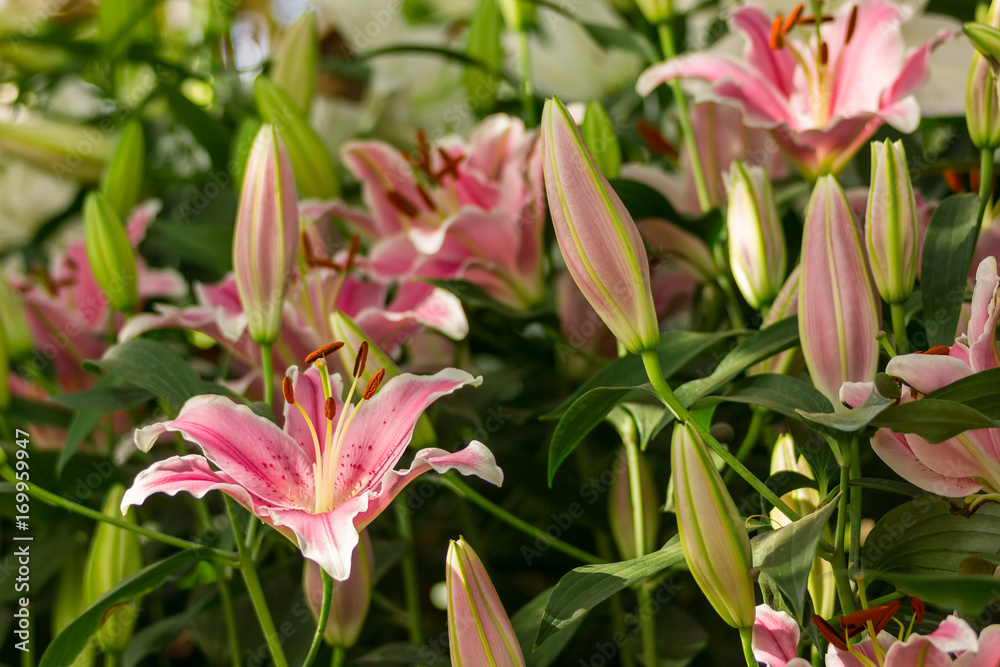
point(777, 40)
point(426, 197)
point(423, 161)
point(954, 181)
point(373, 384)
point(655, 139)
point(330, 408)
point(306, 244)
point(322, 352)
point(402, 204)
point(918, 609)
point(824, 53)
point(792, 19)
point(809, 20)
point(450, 167)
point(361, 359)
point(855, 623)
point(287, 391)
point(319, 261)
point(852, 23)
point(937, 350)
point(352, 252)
point(829, 632)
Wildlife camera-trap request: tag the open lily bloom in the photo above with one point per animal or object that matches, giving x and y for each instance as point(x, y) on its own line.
point(968, 462)
point(328, 473)
point(68, 313)
point(470, 211)
point(823, 99)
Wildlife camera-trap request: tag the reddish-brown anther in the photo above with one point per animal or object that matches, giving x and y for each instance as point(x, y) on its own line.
point(918, 609)
point(793, 19)
point(852, 23)
point(937, 350)
point(361, 359)
point(330, 408)
point(373, 384)
point(777, 37)
point(829, 632)
point(402, 204)
point(287, 391)
point(322, 352)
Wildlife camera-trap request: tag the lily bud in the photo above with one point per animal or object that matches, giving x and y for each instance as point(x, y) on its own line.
point(986, 40)
point(315, 172)
point(69, 604)
point(14, 321)
point(294, 68)
point(114, 556)
point(620, 510)
point(479, 631)
point(601, 139)
point(655, 11)
point(891, 230)
point(63, 149)
point(712, 534)
point(982, 104)
point(838, 312)
point(110, 253)
point(599, 241)
point(756, 241)
point(484, 44)
point(121, 181)
point(351, 597)
point(519, 15)
point(266, 240)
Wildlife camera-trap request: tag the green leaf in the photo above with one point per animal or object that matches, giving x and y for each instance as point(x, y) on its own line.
point(152, 366)
point(83, 423)
point(922, 536)
point(619, 39)
point(33, 412)
point(980, 391)
point(676, 349)
point(966, 593)
point(154, 639)
point(786, 554)
point(853, 420)
point(526, 622)
point(889, 486)
point(210, 132)
point(71, 641)
point(932, 419)
point(781, 393)
point(485, 31)
point(944, 265)
point(585, 587)
point(104, 399)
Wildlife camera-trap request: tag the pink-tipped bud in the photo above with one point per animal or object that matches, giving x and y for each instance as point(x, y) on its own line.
point(891, 230)
point(756, 241)
point(838, 312)
point(479, 631)
point(351, 597)
point(266, 240)
point(599, 241)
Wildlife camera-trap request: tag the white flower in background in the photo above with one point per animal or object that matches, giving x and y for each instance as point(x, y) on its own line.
point(40, 196)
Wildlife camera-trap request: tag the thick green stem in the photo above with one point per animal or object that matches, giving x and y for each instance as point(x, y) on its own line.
point(746, 637)
point(839, 562)
point(527, 92)
point(684, 115)
point(644, 596)
point(639, 532)
point(324, 616)
point(749, 441)
point(985, 184)
point(227, 610)
point(411, 581)
point(255, 591)
point(267, 372)
point(898, 311)
point(57, 501)
point(652, 363)
point(339, 656)
point(464, 490)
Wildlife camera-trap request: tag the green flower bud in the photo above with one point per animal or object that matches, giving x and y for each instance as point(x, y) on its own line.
point(294, 68)
point(110, 252)
point(519, 15)
point(74, 151)
point(315, 171)
point(70, 603)
point(121, 181)
point(656, 11)
point(484, 45)
point(599, 135)
point(986, 39)
point(982, 104)
point(114, 556)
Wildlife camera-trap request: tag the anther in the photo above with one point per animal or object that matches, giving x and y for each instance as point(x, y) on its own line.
point(352, 252)
point(777, 39)
point(937, 350)
point(792, 19)
point(373, 384)
point(655, 139)
point(426, 197)
point(330, 408)
point(361, 359)
point(319, 261)
point(287, 391)
point(852, 23)
point(918, 609)
point(322, 352)
point(306, 244)
point(954, 181)
point(450, 167)
point(829, 632)
point(824, 53)
point(402, 204)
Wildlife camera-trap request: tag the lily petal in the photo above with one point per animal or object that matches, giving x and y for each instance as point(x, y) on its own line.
point(775, 637)
point(927, 372)
point(329, 538)
point(896, 453)
point(191, 474)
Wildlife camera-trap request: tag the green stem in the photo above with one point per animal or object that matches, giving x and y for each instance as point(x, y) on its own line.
point(898, 311)
point(639, 532)
point(411, 581)
point(324, 616)
point(464, 490)
point(255, 591)
point(644, 596)
point(339, 656)
point(855, 473)
point(652, 364)
point(684, 114)
point(839, 562)
point(985, 184)
point(57, 501)
point(267, 372)
point(227, 608)
point(527, 93)
point(112, 659)
point(746, 636)
point(749, 441)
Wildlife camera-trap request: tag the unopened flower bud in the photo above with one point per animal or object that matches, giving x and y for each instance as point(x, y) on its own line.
point(110, 253)
point(655, 11)
point(351, 597)
point(519, 15)
point(295, 63)
point(891, 230)
point(121, 182)
point(599, 134)
point(756, 241)
point(63, 149)
point(484, 44)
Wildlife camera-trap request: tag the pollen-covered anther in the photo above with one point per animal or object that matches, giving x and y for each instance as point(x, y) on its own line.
point(852, 23)
point(322, 352)
point(287, 391)
point(793, 19)
point(402, 204)
point(361, 359)
point(450, 167)
point(824, 53)
point(330, 408)
point(829, 632)
point(777, 38)
point(937, 350)
point(918, 609)
point(373, 384)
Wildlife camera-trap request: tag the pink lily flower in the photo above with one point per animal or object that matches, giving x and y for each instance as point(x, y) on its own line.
point(822, 100)
point(968, 462)
point(776, 638)
point(328, 473)
point(723, 138)
point(470, 211)
point(68, 314)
